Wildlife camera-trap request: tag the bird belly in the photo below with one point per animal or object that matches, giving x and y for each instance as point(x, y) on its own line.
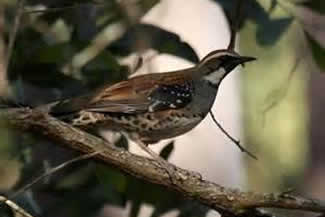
point(169, 127)
point(148, 127)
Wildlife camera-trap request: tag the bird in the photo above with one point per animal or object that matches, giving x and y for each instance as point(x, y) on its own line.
point(156, 106)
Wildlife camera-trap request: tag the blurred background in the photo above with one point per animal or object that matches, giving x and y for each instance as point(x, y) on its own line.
point(274, 105)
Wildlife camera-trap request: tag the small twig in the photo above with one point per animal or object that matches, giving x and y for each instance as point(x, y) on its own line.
point(14, 30)
point(138, 64)
point(235, 141)
point(278, 94)
point(14, 207)
point(162, 162)
point(53, 10)
point(53, 170)
point(288, 191)
point(234, 25)
point(49, 10)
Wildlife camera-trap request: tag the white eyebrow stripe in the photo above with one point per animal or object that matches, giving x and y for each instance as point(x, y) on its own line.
point(215, 55)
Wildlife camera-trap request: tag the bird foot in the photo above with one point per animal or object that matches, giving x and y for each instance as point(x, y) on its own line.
point(169, 168)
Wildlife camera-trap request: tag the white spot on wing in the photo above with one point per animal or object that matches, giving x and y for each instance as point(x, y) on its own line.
point(153, 105)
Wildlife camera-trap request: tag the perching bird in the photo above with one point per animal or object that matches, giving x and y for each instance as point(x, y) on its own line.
point(152, 107)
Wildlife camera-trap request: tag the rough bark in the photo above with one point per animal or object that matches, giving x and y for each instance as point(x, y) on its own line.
point(227, 201)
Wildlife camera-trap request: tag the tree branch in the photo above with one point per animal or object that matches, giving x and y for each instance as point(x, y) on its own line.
point(234, 25)
point(14, 207)
point(227, 201)
point(14, 30)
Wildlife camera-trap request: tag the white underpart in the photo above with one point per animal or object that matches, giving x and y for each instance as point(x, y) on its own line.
point(216, 76)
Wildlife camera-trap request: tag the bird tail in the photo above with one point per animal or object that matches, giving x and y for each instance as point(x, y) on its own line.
point(54, 108)
point(10, 103)
point(47, 108)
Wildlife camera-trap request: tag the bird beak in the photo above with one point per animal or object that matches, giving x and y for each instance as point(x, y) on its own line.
point(243, 59)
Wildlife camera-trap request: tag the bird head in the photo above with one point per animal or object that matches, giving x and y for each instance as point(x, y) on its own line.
point(217, 64)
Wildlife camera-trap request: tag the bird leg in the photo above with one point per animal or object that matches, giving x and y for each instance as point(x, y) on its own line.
point(163, 163)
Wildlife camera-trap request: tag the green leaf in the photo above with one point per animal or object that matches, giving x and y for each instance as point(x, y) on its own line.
point(227, 5)
point(45, 75)
point(111, 179)
point(122, 143)
point(317, 50)
point(146, 36)
point(84, 200)
point(315, 5)
point(269, 29)
point(146, 5)
point(163, 200)
point(167, 150)
point(103, 69)
point(58, 53)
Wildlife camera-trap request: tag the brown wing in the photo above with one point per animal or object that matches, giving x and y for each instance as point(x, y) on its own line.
point(136, 95)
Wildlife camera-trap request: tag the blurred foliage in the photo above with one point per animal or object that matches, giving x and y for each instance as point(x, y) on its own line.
point(52, 32)
point(140, 193)
point(275, 101)
point(156, 38)
point(167, 150)
point(315, 5)
point(318, 52)
point(270, 28)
